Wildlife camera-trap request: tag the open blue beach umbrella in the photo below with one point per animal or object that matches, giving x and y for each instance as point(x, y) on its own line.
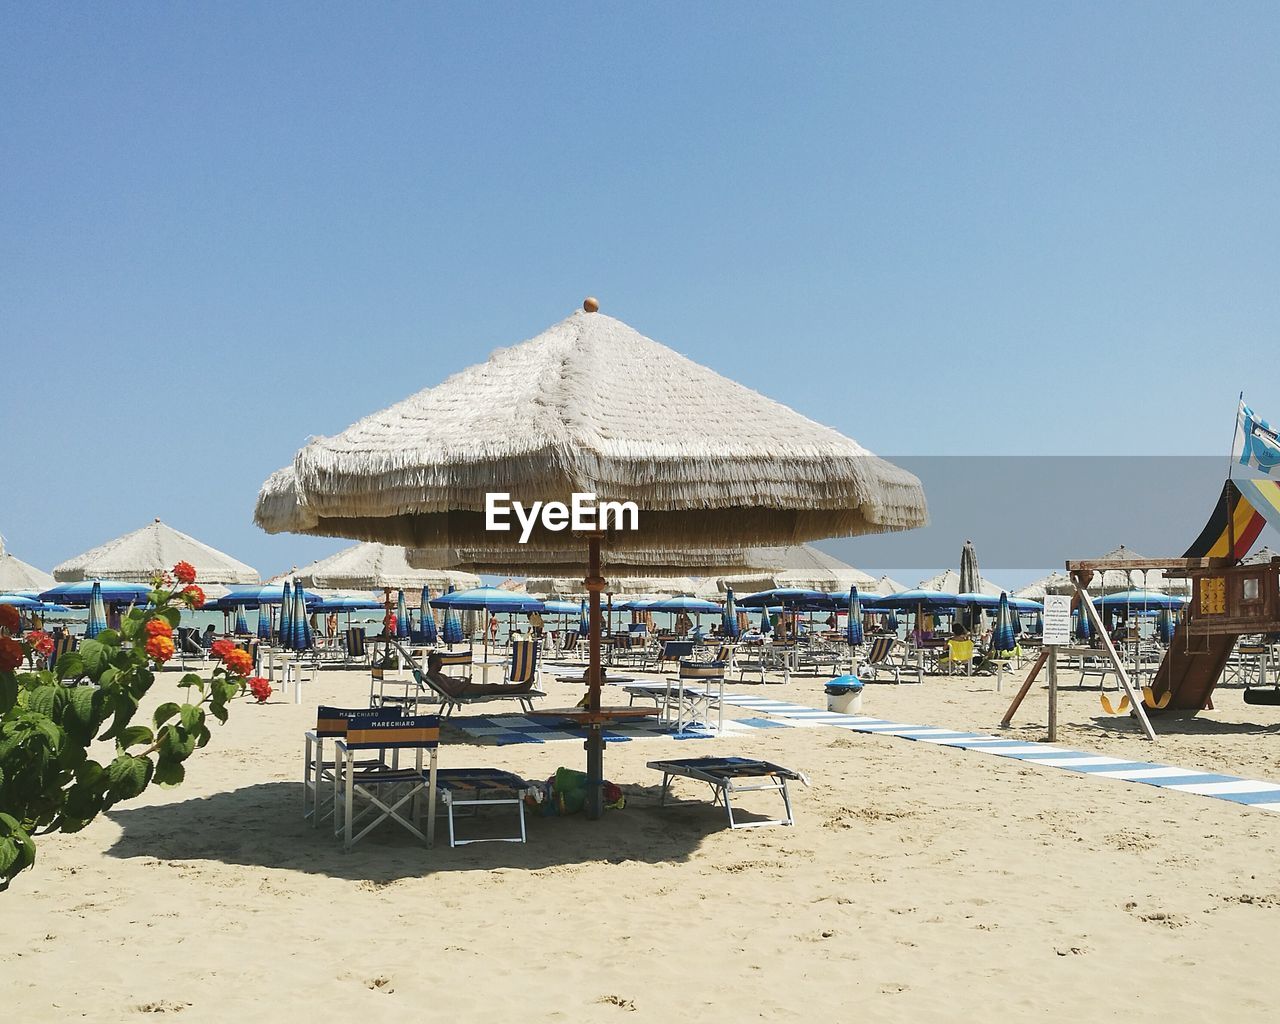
point(1004, 637)
point(683, 604)
point(1164, 626)
point(264, 622)
point(729, 626)
point(429, 633)
point(97, 612)
point(853, 631)
point(584, 625)
point(402, 617)
point(242, 623)
point(452, 623)
point(80, 594)
point(286, 618)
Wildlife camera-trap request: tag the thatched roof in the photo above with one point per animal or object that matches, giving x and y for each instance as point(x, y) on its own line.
point(522, 561)
point(140, 556)
point(15, 574)
point(1113, 580)
point(886, 585)
point(797, 565)
point(949, 583)
point(371, 566)
point(630, 586)
point(1263, 554)
point(591, 405)
point(1054, 583)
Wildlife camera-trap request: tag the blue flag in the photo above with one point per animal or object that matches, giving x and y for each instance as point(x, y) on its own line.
point(1257, 441)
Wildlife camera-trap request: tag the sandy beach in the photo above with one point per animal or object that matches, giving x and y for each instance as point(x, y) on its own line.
point(920, 882)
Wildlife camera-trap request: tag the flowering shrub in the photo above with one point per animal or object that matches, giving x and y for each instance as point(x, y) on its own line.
point(40, 642)
point(184, 573)
point(260, 688)
point(221, 648)
point(9, 618)
point(192, 596)
point(48, 781)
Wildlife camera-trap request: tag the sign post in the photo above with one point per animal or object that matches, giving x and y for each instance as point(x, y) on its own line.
point(1057, 633)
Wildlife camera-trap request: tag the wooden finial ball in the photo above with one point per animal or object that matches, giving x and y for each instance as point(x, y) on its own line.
point(591, 304)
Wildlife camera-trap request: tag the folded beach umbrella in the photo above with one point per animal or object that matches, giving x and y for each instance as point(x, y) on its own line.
point(264, 622)
point(301, 622)
point(584, 625)
point(242, 623)
point(572, 411)
point(429, 633)
point(402, 617)
point(1084, 627)
point(97, 612)
point(730, 624)
point(1004, 637)
point(1165, 626)
point(286, 617)
point(766, 624)
point(853, 631)
point(1037, 624)
point(452, 624)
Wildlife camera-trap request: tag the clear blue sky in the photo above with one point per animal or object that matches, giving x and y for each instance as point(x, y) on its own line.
point(226, 227)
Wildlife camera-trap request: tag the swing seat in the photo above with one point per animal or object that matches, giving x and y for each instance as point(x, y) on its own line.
point(1269, 695)
point(1117, 709)
point(1149, 699)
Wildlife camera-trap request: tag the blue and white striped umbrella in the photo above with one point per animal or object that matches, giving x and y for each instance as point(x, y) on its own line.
point(286, 618)
point(1037, 627)
point(264, 622)
point(853, 631)
point(452, 625)
point(402, 617)
point(298, 625)
point(1084, 627)
point(1165, 626)
point(429, 634)
point(242, 623)
point(766, 626)
point(891, 622)
point(584, 621)
point(1004, 638)
point(730, 623)
point(97, 612)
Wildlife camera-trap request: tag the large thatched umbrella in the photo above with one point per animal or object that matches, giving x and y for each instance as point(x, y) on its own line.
point(141, 556)
point(798, 567)
point(15, 574)
point(590, 406)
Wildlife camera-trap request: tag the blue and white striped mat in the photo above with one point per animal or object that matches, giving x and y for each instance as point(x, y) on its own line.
point(1263, 795)
point(506, 729)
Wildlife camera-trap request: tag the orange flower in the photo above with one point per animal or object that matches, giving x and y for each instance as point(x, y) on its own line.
point(238, 662)
point(158, 627)
point(11, 654)
point(9, 618)
point(184, 572)
point(160, 648)
point(220, 648)
point(40, 641)
point(193, 596)
point(260, 688)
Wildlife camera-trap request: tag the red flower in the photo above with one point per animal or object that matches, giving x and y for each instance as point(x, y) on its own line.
point(11, 654)
point(193, 596)
point(158, 627)
point(41, 642)
point(260, 688)
point(9, 618)
point(184, 572)
point(238, 662)
point(160, 647)
point(221, 648)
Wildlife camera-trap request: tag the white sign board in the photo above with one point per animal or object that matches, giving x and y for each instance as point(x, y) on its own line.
point(1057, 619)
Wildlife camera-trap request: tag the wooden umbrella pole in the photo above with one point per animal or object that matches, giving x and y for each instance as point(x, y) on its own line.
point(595, 732)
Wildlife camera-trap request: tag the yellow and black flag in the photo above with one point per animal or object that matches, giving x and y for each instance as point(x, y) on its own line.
point(1236, 520)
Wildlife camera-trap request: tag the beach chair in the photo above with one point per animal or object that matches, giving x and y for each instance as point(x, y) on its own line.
point(520, 685)
point(355, 645)
point(188, 645)
point(317, 772)
point(728, 776)
point(692, 695)
point(960, 652)
point(63, 643)
point(382, 791)
point(880, 658)
point(750, 657)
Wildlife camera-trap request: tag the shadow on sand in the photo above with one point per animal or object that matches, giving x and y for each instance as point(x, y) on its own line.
point(262, 826)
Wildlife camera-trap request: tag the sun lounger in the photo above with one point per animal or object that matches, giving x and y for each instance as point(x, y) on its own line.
point(728, 776)
point(520, 682)
point(881, 659)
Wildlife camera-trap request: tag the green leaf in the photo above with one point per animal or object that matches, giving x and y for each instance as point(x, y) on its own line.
point(109, 638)
point(80, 706)
point(94, 655)
point(192, 717)
point(171, 615)
point(128, 776)
point(165, 712)
point(8, 855)
point(8, 691)
point(44, 700)
point(135, 735)
point(170, 773)
point(70, 665)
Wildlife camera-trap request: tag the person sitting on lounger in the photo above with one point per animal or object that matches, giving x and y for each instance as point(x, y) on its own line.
point(461, 686)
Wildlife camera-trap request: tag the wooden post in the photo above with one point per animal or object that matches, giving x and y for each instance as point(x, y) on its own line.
point(1026, 688)
point(1053, 694)
point(595, 733)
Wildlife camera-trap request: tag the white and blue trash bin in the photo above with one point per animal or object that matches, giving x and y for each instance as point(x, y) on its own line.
point(844, 695)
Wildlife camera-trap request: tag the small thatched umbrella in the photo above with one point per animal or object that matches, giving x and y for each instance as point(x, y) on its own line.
point(141, 556)
point(371, 566)
point(590, 406)
point(15, 574)
point(797, 567)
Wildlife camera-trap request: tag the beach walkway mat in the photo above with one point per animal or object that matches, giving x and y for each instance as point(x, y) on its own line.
point(1253, 792)
point(503, 730)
